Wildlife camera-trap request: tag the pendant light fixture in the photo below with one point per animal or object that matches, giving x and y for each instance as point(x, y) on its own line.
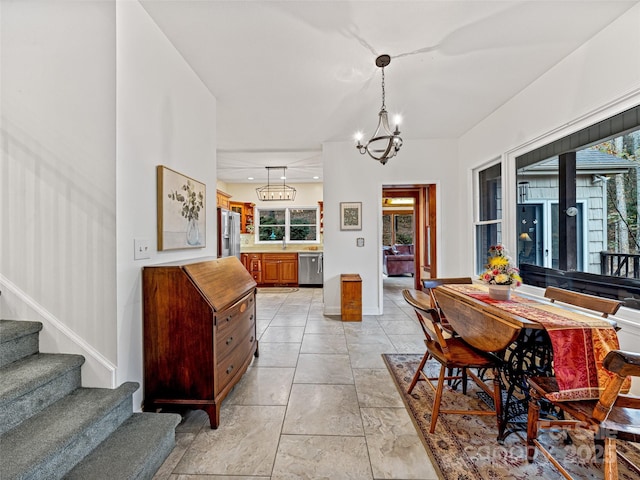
point(275, 191)
point(384, 144)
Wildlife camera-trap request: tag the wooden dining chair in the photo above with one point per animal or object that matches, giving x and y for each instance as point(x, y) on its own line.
point(451, 353)
point(612, 416)
point(604, 306)
point(429, 285)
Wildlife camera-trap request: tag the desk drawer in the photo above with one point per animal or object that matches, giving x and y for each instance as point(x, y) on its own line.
point(228, 367)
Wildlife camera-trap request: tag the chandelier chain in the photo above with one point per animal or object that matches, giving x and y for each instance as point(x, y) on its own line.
point(383, 95)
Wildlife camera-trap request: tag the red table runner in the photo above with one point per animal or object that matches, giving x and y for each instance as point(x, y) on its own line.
point(579, 341)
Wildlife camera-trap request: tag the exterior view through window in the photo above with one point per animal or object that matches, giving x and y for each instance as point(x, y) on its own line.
point(290, 224)
point(577, 222)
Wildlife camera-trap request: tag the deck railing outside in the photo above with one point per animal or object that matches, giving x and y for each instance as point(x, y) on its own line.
point(625, 265)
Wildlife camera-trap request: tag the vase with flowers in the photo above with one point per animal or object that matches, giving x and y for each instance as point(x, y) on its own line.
point(501, 274)
point(192, 203)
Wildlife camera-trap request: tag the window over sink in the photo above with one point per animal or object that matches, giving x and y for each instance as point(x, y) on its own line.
point(293, 225)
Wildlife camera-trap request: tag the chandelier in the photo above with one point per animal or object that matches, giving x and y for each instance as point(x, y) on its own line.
point(384, 144)
point(276, 191)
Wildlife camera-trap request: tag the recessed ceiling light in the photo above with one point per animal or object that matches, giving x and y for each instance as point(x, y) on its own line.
point(316, 177)
point(249, 178)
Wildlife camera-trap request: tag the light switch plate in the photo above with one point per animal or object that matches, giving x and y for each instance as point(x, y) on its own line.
point(141, 249)
point(360, 242)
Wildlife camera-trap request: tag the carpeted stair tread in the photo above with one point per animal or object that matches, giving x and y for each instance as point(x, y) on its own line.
point(59, 436)
point(12, 329)
point(134, 451)
point(35, 382)
point(18, 339)
point(29, 373)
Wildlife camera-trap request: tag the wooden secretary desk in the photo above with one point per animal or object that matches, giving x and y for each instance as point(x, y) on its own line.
point(199, 332)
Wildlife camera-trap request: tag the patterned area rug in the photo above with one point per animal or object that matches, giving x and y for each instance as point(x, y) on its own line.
point(464, 447)
point(277, 289)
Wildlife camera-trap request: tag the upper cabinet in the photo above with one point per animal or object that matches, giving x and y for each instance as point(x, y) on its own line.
point(245, 209)
point(222, 199)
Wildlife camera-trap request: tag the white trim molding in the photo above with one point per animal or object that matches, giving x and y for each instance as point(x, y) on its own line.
point(56, 337)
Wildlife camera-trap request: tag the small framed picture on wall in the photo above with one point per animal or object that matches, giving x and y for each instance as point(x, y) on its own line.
point(351, 216)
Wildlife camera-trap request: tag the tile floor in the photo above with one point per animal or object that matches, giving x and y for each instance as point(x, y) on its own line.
point(318, 403)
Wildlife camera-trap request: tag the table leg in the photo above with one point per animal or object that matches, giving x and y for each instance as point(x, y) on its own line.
point(530, 355)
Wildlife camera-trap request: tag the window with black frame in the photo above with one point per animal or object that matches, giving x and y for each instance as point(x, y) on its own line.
point(577, 211)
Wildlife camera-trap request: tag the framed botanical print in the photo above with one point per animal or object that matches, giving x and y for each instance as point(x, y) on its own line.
point(181, 211)
point(351, 216)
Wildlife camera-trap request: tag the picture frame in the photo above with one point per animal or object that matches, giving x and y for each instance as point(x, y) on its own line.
point(181, 209)
point(351, 216)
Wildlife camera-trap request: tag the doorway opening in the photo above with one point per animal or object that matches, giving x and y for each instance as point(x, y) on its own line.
point(409, 230)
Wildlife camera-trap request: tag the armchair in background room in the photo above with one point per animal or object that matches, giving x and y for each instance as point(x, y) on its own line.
point(398, 260)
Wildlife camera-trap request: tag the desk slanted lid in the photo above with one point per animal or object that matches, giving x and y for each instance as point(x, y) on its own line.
point(221, 281)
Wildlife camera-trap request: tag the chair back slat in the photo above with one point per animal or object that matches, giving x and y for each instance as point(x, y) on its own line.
point(429, 284)
point(604, 306)
point(428, 317)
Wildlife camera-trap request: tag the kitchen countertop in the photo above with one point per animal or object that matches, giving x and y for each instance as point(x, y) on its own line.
point(278, 249)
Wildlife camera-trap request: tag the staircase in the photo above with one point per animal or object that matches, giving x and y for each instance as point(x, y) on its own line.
point(52, 428)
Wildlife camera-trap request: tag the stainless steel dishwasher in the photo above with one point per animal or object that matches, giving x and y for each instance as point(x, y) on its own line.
point(310, 269)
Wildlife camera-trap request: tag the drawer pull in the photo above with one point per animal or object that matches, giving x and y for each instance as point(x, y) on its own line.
point(229, 340)
point(251, 339)
point(228, 319)
point(229, 369)
point(251, 317)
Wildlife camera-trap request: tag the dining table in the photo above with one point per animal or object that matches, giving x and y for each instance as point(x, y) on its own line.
point(531, 338)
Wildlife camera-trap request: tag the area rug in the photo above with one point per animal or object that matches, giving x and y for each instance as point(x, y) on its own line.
point(464, 447)
point(277, 290)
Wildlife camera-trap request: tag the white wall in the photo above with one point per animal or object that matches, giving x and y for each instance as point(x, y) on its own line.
point(165, 116)
point(58, 190)
point(351, 177)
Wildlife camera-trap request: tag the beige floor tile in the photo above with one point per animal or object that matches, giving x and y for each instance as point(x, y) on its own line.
point(289, 321)
point(263, 386)
point(244, 444)
point(277, 354)
point(329, 327)
point(323, 343)
point(375, 388)
point(369, 355)
point(282, 334)
point(323, 368)
point(326, 457)
point(323, 410)
point(395, 450)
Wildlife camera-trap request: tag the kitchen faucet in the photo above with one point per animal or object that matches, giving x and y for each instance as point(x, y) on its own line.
point(284, 243)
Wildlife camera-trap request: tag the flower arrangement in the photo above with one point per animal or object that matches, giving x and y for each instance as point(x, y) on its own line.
point(500, 270)
point(192, 202)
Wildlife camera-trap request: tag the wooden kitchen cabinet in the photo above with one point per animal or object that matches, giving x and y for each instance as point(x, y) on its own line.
point(199, 329)
point(245, 209)
point(280, 269)
point(222, 199)
point(253, 263)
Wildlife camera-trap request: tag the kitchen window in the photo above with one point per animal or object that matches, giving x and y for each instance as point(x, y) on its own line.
point(296, 225)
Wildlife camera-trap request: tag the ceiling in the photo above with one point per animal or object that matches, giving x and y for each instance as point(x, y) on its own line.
point(290, 75)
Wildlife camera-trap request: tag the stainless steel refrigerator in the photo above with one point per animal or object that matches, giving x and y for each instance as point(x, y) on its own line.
point(228, 233)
